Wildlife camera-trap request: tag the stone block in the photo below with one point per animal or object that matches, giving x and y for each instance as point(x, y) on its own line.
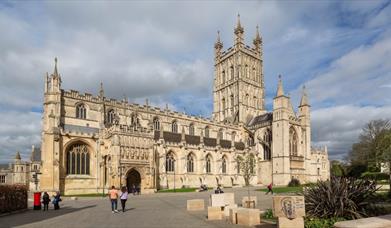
point(284, 222)
point(248, 217)
point(252, 203)
point(195, 205)
point(217, 200)
point(375, 222)
point(215, 213)
point(232, 215)
point(228, 207)
point(288, 206)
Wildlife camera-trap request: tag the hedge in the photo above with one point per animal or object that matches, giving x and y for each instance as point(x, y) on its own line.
point(13, 198)
point(375, 175)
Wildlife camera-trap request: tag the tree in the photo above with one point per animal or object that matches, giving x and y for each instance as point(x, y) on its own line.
point(337, 169)
point(384, 153)
point(365, 152)
point(247, 167)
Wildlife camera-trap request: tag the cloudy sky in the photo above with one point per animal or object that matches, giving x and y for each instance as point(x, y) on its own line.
point(163, 51)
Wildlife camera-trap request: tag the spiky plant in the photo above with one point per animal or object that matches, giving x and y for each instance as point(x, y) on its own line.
point(339, 197)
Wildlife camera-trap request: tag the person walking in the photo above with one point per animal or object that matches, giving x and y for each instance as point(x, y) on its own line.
point(269, 188)
point(45, 201)
point(123, 197)
point(113, 194)
point(56, 201)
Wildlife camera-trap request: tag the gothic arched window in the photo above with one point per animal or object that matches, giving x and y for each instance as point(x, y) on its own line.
point(223, 105)
point(190, 163)
point(208, 163)
point(292, 142)
point(191, 129)
point(206, 132)
point(267, 139)
point(78, 160)
point(174, 127)
point(223, 77)
point(81, 111)
point(170, 162)
point(224, 165)
point(232, 72)
point(156, 124)
point(111, 116)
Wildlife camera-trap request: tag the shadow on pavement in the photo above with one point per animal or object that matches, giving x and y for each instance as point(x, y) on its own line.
point(32, 216)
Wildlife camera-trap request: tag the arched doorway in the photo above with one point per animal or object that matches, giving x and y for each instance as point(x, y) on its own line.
point(133, 180)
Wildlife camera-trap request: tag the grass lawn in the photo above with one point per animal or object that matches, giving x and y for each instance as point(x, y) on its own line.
point(284, 189)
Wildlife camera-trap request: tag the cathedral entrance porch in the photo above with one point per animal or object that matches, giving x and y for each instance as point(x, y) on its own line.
point(133, 181)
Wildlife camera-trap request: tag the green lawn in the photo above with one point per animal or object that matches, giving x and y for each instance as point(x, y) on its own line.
point(284, 189)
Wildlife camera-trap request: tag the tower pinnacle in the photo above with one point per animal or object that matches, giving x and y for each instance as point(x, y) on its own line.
point(218, 44)
point(55, 67)
point(239, 29)
point(304, 98)
point(280, 88)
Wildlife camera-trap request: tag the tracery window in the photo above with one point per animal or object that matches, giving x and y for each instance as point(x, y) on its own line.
point(206, 132)
point(81, 111)
point(174, 127)
point(156, 124)
point(292, 142)
point(208, 164)
point(190, 163)
point(267, 138)
point(78, 160)
point(111, 116)
point(170, 162)
point(224, 165)
point(191, 129)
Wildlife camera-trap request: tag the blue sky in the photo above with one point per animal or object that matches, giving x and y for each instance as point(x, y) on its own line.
point(163, 51)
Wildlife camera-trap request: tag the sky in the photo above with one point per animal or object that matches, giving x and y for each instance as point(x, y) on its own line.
point(163, 51)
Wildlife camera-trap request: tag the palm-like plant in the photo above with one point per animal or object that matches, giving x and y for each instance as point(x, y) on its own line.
point(339, 197)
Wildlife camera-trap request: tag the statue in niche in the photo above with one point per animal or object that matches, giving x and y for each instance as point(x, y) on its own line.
point(288, 207)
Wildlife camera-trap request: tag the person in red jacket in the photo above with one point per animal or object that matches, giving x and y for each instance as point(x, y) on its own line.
point(270, 188)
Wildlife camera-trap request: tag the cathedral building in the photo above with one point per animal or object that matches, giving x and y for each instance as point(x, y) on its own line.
point(90, 143)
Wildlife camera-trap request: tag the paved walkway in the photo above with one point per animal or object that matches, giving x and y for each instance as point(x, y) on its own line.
point(155, 210)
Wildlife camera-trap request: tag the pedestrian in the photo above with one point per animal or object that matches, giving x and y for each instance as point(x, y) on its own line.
point(123, 197)
point(134, 189)
point(45, 201)
point(56, 200)
point(270, 188)
point(113, 194)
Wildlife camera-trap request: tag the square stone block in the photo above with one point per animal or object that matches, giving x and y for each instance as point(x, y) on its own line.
point(252, 203)
point(288, 206)
point(227, 208)
point(217, 200)
point(232, 215)
point(215, 213)
point(289, 223)
point(195, 205)
point(248, 217)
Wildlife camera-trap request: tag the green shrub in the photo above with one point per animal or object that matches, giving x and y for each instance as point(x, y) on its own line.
point(268, 214)
point(375, 176)
point(321, 223)
point(339, 197)
point(294, 183)
point(12, 198)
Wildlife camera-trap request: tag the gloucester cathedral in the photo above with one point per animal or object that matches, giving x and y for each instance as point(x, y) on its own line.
point(91, 142)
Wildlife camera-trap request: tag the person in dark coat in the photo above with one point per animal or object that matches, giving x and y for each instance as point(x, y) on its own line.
point(56, 201)
point(45, 201)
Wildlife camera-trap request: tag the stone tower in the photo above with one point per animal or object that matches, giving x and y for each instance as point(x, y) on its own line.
point(51, 132)
point(280, 134)
point(238, 92)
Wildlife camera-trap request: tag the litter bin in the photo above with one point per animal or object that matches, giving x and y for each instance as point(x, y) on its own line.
point(37, 200)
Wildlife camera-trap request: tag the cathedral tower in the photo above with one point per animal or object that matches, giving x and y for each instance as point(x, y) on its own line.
point(238, 92)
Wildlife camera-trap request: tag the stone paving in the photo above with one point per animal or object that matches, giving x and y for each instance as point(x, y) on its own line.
point(154, 210)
